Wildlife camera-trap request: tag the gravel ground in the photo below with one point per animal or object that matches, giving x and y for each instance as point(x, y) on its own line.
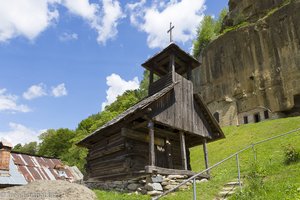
point(48, 190)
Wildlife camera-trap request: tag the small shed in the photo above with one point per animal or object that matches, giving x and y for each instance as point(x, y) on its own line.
point(154, 136)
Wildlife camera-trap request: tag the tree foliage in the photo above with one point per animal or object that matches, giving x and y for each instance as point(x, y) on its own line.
point(208, 30)
point(55, 143)
point(30, 148)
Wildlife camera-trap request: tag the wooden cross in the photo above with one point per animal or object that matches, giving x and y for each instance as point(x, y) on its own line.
point(170, 31)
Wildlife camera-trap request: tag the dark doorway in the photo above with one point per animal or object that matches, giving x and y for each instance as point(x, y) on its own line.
point(266, 114)
point(217, 116)
point(161, 156)
point(246, 120)
point(297, 101)
point(256, 117)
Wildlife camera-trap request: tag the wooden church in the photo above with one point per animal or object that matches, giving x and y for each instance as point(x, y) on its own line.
point(154, 136)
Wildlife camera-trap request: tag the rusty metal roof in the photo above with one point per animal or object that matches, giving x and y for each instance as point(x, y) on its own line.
point(41, 168)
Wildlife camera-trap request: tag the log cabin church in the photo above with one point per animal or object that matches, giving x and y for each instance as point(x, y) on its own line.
point(154, 136)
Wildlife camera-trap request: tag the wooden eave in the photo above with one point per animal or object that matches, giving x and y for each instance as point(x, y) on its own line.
point(216, 131)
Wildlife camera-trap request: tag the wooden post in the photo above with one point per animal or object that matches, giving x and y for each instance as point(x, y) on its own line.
point(183, 151)
point(151, 144)
point(205, 155)
point(151, 77)
point(189, 72)
point(169, 153)
point(172, 66)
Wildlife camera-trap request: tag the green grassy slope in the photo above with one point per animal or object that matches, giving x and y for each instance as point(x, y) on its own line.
point(278, 181)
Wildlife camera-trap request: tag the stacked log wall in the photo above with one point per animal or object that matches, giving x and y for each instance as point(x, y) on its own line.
point(107, 157)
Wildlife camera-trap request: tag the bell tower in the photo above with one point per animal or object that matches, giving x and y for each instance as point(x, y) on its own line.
point(166, 64)
point(169, 63)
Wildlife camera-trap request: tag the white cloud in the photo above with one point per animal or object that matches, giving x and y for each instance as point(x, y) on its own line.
point(29, 18)
point(104, 19)
point(68, 37)
point(8, 103)
point(26, 18)
point(82, 8)
point(117, 86)
point(19, 133)
point(59, 90)
point(35, 91)
point(155, 19)
point(111, 14)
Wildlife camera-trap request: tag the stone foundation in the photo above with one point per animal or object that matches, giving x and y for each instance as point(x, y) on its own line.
point(152, 185)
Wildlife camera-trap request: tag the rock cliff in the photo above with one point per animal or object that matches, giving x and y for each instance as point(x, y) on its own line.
point(255, 68)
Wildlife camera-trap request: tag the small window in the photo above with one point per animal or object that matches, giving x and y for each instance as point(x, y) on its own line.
point(217, 116)
point(256, 118)
point(266, 114)
point(245, 119)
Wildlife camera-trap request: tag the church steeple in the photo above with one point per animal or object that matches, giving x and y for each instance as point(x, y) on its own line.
point(166, 63)
point(170, 61)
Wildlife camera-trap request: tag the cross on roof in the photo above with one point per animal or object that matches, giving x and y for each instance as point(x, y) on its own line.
point(170, 31)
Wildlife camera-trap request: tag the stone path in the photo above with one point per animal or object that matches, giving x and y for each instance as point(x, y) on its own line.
point(228, 189)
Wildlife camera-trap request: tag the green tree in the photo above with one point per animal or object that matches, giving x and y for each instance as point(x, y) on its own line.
point(55, 143)
point(17, 147)
point(207, 31)
point(30, 148)
point(143, 90)
point(220, 20)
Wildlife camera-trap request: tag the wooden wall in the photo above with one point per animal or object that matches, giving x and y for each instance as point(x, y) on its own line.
point(178, 109)
point(119, 155)
point(107, 157)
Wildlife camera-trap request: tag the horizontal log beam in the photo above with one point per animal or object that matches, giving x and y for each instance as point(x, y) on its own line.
point(140, 136)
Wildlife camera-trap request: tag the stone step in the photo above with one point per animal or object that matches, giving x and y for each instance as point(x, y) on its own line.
point(226, 193)
point(231, 188)
point(233, 183)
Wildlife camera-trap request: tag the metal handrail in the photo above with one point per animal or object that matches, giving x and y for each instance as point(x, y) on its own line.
point(222, 161)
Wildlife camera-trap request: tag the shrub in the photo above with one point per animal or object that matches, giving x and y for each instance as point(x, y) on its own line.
point(291, 155)
point(254, 184)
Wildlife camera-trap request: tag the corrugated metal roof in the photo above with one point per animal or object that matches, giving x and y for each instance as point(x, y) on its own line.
point(76, 173)
point(25, 168)
point(41, 168)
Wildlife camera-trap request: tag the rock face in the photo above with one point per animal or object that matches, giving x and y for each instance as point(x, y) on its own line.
point(249, 10)
point(253, 73)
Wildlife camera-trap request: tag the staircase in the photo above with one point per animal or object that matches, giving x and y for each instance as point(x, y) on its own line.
point(228, 190)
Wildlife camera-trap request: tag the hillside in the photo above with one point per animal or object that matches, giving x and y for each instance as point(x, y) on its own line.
point(276, 180)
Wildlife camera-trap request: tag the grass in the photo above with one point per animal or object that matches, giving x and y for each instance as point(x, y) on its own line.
point(277, 180)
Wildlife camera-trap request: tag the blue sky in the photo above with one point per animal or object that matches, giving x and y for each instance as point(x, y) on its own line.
point(70, 58)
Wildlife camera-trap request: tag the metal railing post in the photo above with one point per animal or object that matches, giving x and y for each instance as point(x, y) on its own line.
point(194, 189)
point(254, 152)
point(239, 171)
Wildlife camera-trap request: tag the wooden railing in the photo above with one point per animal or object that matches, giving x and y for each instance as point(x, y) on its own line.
point(160, 84)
